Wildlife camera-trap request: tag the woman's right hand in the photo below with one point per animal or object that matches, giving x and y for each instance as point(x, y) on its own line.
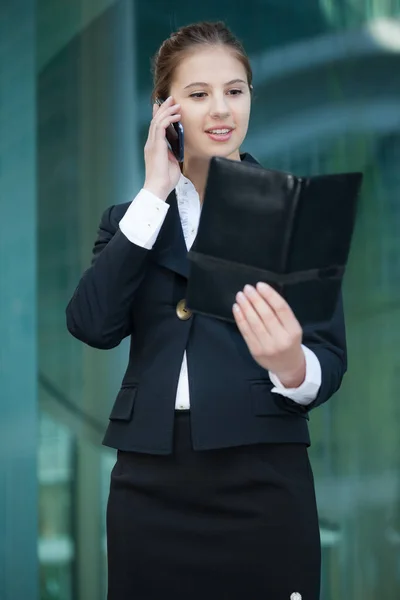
point(162, 168)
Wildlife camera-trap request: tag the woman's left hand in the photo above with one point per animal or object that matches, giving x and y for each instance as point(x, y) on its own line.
point(271, 332)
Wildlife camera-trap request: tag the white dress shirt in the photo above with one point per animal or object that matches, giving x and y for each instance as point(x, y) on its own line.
point(141, 224)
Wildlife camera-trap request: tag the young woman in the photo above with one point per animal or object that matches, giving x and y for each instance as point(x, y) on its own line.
point(212, 494)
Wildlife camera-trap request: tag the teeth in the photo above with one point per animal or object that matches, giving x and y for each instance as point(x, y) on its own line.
point(219, 131)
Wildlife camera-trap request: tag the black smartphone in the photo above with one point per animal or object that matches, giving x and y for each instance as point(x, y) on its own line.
point(174, 135)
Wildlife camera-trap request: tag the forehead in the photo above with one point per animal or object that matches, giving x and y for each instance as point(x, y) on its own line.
point(215, 66)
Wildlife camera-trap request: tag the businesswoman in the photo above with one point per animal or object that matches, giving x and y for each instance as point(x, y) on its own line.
point(212, 493)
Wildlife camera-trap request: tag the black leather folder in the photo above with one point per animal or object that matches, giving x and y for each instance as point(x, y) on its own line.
point(264, 225)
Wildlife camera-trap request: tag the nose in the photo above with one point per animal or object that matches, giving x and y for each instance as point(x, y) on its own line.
point(219, 108)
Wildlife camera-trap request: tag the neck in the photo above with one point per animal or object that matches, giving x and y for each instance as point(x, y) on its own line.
point(196, 169)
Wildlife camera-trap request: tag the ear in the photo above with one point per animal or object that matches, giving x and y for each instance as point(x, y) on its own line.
point(251, 93)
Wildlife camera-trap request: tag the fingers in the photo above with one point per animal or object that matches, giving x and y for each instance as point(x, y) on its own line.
point(253, 318)
point(265, 320)
point(265, 313)
point(172, 158)
point(280, 307)
point(165, 110)
point(253, 343)
point(159, 104)
point(167, 121)
point(251, 326)
point(163, 117)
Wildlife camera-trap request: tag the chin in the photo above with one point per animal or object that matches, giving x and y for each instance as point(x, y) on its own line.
point(206, 152)
point(223, 151)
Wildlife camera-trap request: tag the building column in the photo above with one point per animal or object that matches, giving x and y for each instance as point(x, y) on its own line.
point(18, 370)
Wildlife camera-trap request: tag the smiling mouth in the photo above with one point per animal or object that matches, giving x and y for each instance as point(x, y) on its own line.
point(221, 131)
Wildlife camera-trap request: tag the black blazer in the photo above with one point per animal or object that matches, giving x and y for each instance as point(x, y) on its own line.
point(130, 291)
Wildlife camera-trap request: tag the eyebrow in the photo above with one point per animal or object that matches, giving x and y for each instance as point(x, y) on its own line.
point(204, 84)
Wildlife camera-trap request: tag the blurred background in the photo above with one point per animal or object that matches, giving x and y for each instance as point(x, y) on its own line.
point(75, 90)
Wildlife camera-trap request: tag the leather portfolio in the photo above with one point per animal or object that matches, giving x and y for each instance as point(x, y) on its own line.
point(266, 225)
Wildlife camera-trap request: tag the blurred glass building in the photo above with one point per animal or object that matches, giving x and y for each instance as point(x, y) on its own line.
point(75, 89)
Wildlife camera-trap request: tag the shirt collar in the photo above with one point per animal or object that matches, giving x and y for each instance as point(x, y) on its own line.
point(184, 185)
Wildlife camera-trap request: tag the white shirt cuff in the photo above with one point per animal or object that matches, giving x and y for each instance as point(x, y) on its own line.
point(143, 220)
point(308, 390)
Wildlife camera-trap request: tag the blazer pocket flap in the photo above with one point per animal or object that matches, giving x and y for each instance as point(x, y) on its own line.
point(268, 403)
point(123, 405)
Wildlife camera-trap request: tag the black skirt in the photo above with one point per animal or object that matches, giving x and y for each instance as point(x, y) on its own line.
point(236, 524)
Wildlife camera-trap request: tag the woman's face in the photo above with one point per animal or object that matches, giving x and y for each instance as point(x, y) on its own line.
point(211, 86)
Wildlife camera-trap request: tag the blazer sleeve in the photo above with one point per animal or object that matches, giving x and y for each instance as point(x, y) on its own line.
point(98, 313)
point(328, 342)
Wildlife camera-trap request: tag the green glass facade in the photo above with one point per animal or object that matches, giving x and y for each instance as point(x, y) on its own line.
point(74, 110)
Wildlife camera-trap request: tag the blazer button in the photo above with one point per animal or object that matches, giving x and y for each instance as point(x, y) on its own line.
point(182, 311)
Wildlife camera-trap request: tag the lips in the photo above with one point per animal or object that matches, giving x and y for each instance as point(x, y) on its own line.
point(220, 134)
point(223, 130)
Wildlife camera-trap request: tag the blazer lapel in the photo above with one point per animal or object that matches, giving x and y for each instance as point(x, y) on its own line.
point(246, 157)
point(170, 249)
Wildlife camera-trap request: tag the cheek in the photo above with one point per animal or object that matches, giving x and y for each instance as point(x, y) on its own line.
point(242, 120)
point(192, 127)
point(242, 113)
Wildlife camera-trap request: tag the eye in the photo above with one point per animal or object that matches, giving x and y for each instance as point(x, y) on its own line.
point(235, 92)
point(198, 95)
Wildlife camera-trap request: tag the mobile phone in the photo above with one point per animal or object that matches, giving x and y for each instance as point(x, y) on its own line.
point(174, 135)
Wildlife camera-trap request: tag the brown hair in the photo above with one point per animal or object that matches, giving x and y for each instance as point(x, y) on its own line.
point(182, 41)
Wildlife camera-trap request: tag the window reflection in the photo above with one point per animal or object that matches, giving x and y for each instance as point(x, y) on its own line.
point(56, 544)
point(357, 12)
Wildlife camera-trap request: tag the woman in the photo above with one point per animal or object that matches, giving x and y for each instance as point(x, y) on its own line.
point(212, 494)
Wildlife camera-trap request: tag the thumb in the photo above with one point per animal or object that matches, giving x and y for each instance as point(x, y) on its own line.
point(172, 158)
